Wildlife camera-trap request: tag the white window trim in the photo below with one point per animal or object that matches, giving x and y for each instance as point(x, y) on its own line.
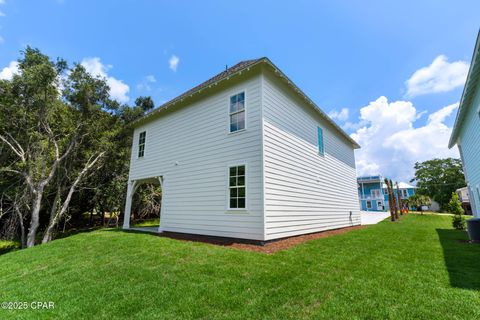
point(245, 102)
point(227, 188)
point(144, 145)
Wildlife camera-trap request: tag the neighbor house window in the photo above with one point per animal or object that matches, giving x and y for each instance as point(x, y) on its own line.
point(321, 148)
point(237, 112)
point(375, 193)
point(405, 193)
point(237, 187)
point(369, 204)
point(141, 144)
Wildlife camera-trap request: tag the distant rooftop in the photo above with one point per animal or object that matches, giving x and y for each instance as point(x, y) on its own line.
point(379, 178)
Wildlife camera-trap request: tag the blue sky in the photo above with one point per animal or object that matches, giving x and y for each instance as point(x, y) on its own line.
point(343, 54)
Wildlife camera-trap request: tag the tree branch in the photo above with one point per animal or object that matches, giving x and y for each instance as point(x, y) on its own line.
point(17, 150)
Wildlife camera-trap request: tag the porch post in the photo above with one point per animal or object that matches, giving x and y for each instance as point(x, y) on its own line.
point(162, 183)
point(128, 203)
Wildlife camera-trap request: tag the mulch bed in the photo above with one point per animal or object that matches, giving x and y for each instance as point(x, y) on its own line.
point(263, 247)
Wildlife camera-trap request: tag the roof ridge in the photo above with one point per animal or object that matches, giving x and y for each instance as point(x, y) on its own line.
point(219, 76)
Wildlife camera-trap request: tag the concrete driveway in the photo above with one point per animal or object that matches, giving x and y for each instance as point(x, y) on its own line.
point(373, 217)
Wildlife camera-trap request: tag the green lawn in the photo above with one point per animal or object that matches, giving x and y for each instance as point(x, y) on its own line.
point(147, 223)
point(412, 269)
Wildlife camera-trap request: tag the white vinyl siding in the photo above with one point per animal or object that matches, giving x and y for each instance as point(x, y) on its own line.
point(304, 193)
point(469, 143)
point(191, 148)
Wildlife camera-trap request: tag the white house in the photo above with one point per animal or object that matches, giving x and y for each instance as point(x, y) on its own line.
point(247, 155)
point(466, 131)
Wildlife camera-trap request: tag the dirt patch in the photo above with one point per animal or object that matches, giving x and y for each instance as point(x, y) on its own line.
point(258, 246)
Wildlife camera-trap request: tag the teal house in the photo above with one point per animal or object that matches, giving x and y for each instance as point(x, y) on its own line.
point(373, 196)
point(466, 131)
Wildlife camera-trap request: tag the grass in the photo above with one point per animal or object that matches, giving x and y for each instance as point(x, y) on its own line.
point(412, 269)
point(147, 223)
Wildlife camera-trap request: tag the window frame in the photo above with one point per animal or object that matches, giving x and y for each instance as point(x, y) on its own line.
point(228, 187)
point(143, 144)
point(321, 148)
point(244, 91)
point(374, 194)
point(366, 204)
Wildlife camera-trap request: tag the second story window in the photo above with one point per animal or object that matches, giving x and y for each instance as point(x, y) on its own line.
point(237, 112)
point(376, 193)
point(321, 148)
point(141, 144)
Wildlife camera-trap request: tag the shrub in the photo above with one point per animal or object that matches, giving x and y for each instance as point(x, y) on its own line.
point(6, 246)
point(455, 207)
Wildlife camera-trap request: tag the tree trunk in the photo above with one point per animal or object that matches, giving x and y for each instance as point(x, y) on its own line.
point(49, 232)
point(66, 203)
point(103, 217)
point(22, 227)
point(399, 200)
point(35, 219)
point(390, 202)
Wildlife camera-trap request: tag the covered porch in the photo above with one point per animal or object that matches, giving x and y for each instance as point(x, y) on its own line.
point(133, 187)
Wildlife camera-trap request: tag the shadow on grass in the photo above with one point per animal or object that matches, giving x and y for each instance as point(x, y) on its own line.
point(462, 258)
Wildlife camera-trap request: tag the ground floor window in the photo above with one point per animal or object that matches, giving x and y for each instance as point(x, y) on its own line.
point(237, 189)
point(369, 204)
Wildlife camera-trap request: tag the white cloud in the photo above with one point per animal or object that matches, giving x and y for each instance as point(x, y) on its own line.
point(8, 72)
point(151, 78)
point(145, 85)
point(1, 13)
point(341, 115)
point(440, 76)
point(118, 89)
point(173, 62)
point(390, 142)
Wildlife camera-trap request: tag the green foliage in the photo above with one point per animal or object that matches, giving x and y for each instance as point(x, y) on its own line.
point(438, 178)
point(417, 201)
point(455, 207)
point(50, 101)
point(6, 246)
point(145, 103)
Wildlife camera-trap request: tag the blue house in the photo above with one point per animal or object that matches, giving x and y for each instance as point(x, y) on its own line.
point(373, 195)
point(466, 131)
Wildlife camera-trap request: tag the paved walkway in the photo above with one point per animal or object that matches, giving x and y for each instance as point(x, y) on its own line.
point(373, 217)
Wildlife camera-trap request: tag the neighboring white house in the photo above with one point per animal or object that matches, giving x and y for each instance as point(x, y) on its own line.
point(466, 131)
point(248, 155)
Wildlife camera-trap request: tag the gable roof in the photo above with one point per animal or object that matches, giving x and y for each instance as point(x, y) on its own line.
point(239, 68)
point(468, 92)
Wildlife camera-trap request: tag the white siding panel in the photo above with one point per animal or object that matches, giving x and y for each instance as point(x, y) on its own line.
point(469, 141)
point(304, 191)
point(192, 149)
